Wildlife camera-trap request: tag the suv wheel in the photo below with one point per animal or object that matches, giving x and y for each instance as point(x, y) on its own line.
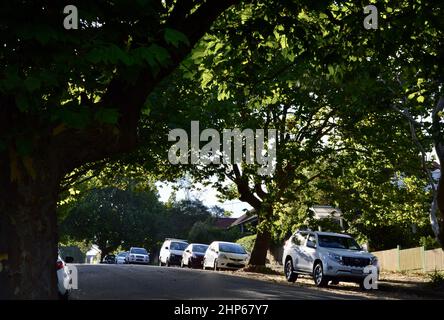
point(318, 276)
point(290, 275)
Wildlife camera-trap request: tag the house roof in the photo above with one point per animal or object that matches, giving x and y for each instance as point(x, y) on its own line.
point(223, 223)
point(244, 219)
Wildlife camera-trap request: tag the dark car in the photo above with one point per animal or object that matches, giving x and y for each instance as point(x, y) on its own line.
point(193, 255)
point(110, 259)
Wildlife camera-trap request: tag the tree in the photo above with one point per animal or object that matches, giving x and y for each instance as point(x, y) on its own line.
point(71, 97)
point(320, 79)
point(113, 218)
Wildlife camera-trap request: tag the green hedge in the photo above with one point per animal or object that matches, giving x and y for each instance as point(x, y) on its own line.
point(247, 242)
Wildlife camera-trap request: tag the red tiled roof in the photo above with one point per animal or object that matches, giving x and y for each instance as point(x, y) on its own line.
point(223, 223)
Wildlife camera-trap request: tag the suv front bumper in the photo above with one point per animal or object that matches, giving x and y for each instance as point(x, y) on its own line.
point(347, 273)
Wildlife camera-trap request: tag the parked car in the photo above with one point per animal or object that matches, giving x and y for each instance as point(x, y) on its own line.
point(327, 257)
point(138, 256)
point(171, 252)
point(225, 255)
point(122, 257)
point(193, 255)
point(109, 259)
point(64, 280)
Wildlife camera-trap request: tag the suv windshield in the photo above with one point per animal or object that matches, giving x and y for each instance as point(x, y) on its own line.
point(231, 248)
point(338, 242)
point(199, 248)
point(178, 246)
point(122, 254)
point(139, 251)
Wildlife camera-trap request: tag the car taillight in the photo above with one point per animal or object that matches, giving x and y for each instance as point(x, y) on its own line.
point(59, 265)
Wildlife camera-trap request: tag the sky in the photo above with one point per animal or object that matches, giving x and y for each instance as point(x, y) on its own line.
point(207, 195)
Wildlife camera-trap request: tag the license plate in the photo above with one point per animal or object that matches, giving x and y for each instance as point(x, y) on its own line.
point(357, 271)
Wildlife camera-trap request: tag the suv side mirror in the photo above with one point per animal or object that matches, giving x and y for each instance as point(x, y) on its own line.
point(166, 248)
point(188, 251)
point(311, 244)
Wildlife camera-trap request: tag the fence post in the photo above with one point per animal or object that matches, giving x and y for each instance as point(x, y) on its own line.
point(398, 253)
point(423, 256)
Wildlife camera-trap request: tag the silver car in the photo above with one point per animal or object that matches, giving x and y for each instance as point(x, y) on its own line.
point(327, 257)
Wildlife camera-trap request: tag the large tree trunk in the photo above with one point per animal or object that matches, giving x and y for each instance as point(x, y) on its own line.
point(260, 248)
point(439, 211)
point(28, 241)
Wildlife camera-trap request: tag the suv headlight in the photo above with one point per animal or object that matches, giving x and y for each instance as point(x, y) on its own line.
point(335, 257)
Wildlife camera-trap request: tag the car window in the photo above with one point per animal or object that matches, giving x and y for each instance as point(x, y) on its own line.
point(337, 242)
point(299, 238)
point(199, 248)
point(181, 246)
point(138, 251)
point(122, 254)
point(312, 238)
point(231, 248)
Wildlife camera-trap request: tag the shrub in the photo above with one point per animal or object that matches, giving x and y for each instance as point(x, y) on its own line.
point(247, 242)
point(437, 279)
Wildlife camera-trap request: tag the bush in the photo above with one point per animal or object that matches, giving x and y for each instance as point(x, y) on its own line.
point(429, 243)
point(247, 242)
point(437, 279)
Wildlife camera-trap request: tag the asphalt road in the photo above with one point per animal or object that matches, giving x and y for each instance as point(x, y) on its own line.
point(135, 282)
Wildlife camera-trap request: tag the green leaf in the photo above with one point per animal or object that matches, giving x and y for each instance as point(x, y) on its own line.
point(175, 37)
point(76, 117)
point(420, 99)
point(107, 115)
point(159, 53)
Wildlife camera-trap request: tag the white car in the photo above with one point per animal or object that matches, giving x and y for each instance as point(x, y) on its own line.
point(171, 252)
point(64, 282)
point(138, 256)
point(327, 257)
point(121, 258)
point(225, 255)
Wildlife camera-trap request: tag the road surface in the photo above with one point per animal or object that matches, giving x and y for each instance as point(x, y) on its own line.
point(152, 282)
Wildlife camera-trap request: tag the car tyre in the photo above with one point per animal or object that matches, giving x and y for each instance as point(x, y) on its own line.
point(189, 263)
point(290, 275)
point(319, 278)
point(215, 265)
point(64, 297)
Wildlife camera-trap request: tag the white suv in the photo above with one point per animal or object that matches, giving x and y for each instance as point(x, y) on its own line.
point(172, 251)
point(327, 257)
